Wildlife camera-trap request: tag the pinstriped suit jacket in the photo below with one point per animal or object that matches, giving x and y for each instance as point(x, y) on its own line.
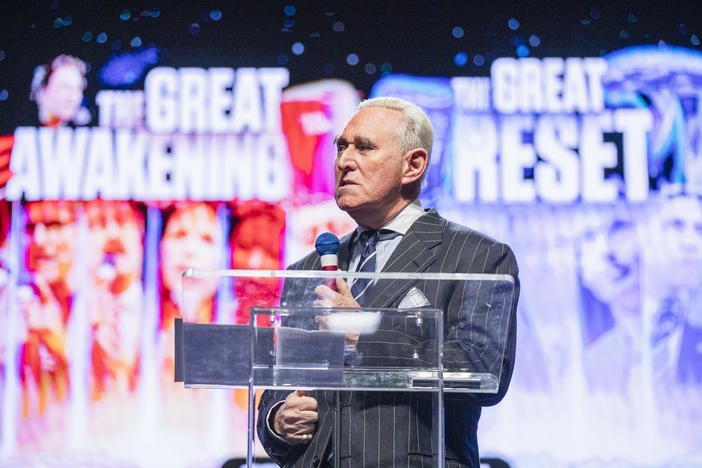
point(380, 429)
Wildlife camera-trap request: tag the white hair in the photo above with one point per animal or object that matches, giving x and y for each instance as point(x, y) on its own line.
point(416, 131)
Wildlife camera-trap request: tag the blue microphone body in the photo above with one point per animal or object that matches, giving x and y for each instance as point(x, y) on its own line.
point(327, 246)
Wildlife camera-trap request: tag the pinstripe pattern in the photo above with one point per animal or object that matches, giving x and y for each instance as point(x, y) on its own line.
point(379, 429)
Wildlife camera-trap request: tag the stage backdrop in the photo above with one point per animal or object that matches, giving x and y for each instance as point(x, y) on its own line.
point(138, 167)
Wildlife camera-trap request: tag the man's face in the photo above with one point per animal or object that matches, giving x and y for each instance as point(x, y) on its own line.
point(63, 93)
point(369, 164)
point(609, 265)
point(681, 229)
point(52, 232)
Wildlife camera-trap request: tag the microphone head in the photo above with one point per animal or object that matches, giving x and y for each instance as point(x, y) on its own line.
point(327, 244)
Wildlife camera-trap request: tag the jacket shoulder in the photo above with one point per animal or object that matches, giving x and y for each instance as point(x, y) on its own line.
point(476, 251)
point(308, 262)
point(464, 232)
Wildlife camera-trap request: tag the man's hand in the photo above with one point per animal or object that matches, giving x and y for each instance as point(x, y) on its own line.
point(296, 418)
point(326, 297)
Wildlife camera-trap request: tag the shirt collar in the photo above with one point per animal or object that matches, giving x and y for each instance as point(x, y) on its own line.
point(404, 219)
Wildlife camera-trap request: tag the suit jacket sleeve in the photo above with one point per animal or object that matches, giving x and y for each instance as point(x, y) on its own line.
point(492, 258)
point(279, 450)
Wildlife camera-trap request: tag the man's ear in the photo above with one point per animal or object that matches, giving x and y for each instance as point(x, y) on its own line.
point(416, 162)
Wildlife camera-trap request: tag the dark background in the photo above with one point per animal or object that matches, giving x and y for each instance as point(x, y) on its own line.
point(400, 37)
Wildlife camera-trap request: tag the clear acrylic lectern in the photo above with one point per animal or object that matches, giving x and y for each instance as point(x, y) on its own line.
point(418, 332)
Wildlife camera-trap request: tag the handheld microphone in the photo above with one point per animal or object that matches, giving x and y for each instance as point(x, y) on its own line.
point(327, 246)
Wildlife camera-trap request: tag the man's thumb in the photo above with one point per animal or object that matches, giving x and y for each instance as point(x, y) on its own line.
point(342, 287)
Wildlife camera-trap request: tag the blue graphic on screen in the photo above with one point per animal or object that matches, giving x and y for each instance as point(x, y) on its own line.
point(435, 97)
point(667, 80)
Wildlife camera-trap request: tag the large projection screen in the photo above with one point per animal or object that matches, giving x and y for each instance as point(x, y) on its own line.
point(137, 143)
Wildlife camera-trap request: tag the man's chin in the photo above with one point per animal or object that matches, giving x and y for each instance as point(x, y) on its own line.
point(345, 204)
point(349, 208)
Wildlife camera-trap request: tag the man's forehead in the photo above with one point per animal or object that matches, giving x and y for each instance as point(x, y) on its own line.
point(374, 114)
point(372, 121)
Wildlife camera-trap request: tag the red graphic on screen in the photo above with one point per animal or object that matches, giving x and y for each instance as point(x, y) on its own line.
point(6, 144)
point(45, 300)
point(192, 238)
point(256, 245)
point(115, 298)
point(306, 126)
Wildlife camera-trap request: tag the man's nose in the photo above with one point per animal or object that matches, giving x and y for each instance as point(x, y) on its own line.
point(346, 158)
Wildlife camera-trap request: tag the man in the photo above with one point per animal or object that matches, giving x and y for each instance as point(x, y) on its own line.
point(382, 155)
point(674, 304)
point(609, 271)
point(58, 90)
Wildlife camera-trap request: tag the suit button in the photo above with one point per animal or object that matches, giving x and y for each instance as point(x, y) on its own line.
point(316, 460)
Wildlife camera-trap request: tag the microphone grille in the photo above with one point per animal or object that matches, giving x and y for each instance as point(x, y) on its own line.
point(327, 243)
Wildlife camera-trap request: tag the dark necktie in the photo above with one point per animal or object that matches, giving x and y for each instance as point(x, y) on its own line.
point(368, 239)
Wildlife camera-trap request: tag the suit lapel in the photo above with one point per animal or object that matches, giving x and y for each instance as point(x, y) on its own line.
point(344, 255)
point(415, 253)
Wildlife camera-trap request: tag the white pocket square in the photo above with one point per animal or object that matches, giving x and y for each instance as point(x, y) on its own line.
point(413, 299)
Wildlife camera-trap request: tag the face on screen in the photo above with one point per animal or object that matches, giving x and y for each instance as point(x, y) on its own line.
point(63, 93)
point(192, 238)
point(51, 228)
point(680, 227)
point(609, 264)
point(116, 235)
